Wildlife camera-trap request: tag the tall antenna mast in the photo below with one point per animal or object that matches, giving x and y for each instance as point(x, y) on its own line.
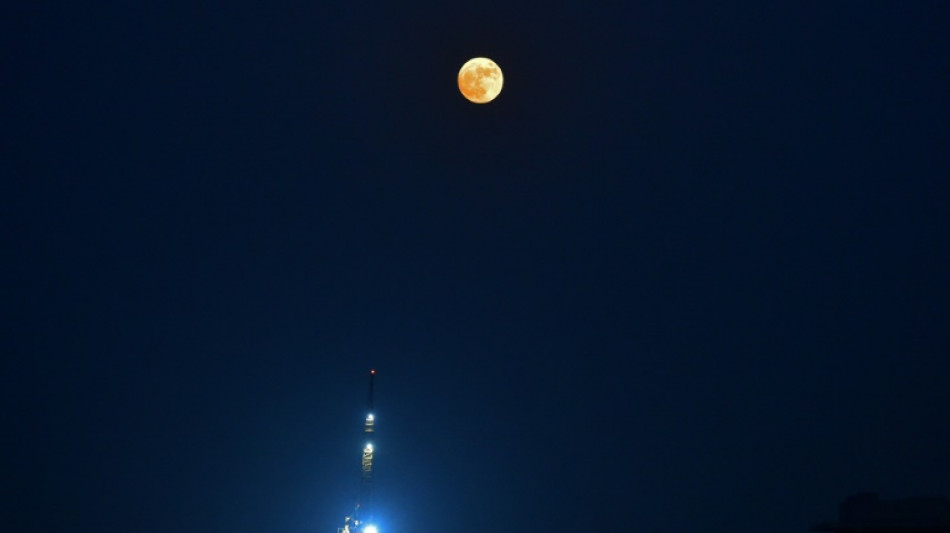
point(366, 482)
point(361, 521)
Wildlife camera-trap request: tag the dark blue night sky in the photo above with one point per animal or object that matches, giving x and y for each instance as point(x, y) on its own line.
point(689, 272)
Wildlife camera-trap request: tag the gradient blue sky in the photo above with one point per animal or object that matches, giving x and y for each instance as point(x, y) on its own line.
point(689, 272)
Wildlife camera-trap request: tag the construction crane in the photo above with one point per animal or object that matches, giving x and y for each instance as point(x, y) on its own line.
point(361, 519)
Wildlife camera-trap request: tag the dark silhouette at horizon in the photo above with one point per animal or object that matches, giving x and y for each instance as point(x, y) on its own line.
point(868, 512)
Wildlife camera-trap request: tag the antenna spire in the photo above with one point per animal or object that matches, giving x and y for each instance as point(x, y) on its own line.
point(361, 521)
point(372, 374)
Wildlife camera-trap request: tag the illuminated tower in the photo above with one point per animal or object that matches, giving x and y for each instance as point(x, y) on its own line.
point(361, 520)
point(366, 478)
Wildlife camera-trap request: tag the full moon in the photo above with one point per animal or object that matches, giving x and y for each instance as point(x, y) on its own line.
point(480, 80)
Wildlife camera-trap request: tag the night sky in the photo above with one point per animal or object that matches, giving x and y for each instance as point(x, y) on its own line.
point(689, 272)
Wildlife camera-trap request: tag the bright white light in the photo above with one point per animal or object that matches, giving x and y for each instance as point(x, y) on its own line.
point(369, 446)
point(370, 417)
point(370, 529)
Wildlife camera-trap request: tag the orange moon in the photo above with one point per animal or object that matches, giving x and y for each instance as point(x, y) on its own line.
point(480, 80)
